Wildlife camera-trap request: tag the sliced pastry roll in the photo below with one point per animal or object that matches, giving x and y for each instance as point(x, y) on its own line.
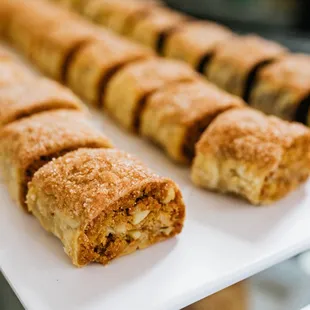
point(29, 21)
point(28, 144)
point(195, 43)
point(237, 61)
point(129, 87)
point(176, 116)
point(94, 64)
point(103, 204)
point(54, 51)
point(235, 297)
point(34, 96)
point(261, 158)
point(153, 29)
point(118, 15)
point(283, 88)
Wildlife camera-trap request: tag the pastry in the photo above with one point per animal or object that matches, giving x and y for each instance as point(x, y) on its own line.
point(93, 65)
point(238, 60)
point(175, 117)
point(195, 43)
point(6, 9)
point(28, 144)
point(118, 15)
point(103, 204)
point(29, 21)
point(235, 297)
point(155, 27)
point(51, 50)
point(34, 96)
point(283, 88)
point(261, 158)
point(13, 73)
point(54, 51)
point(129, 87)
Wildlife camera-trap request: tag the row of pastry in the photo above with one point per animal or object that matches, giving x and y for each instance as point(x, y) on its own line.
point(232, 148)
point(262, 72)
point(101, 202)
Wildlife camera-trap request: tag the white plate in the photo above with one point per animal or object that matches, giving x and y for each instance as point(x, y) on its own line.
point(224, 241)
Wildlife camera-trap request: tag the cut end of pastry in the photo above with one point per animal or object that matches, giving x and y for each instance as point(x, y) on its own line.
point(147, 217)
point(104, 204)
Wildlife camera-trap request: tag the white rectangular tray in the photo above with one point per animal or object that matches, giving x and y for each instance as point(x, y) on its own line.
point(225, 240)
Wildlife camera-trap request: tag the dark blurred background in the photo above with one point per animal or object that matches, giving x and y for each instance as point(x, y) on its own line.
point(286, 21)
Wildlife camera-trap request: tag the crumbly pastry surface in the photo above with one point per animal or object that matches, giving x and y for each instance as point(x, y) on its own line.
point(103, 204)
point(138, 80)
point(235, 58)
point(195, 41)
point(249, 154)
point(282, 86)
point(28, 144)
point(150, 29)
point(176, 116)
point(20, 100)
point(92, 67)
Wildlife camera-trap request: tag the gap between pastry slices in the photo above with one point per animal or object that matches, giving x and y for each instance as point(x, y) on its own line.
point(43, 160)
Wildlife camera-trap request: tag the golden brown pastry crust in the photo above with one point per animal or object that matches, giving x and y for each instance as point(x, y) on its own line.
point(175, 116)
point(195, 41)
point(92, 66)
point(118, 15)
point(252, 155)
point(131, 85)
point(103, 204)
point(50, 50)
point(28, 22)
point(34, 96)
point(6, 8)
point(158, 23)
point(235, 58)
point(234, 297)
point(282, 86)
point(53, 51)
point(28, 144)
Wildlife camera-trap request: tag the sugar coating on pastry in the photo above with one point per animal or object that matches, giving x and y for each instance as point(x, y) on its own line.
point(195, 42)
point(93, 65)
point(130, 86)
point(153, 29)
point(13, 73)
point(176, 116)
point(37, 95)
point(118, 15)
point(283, 88)
point(103, 204)
point(237, 60)
point(258, 157)
point(28, 144)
